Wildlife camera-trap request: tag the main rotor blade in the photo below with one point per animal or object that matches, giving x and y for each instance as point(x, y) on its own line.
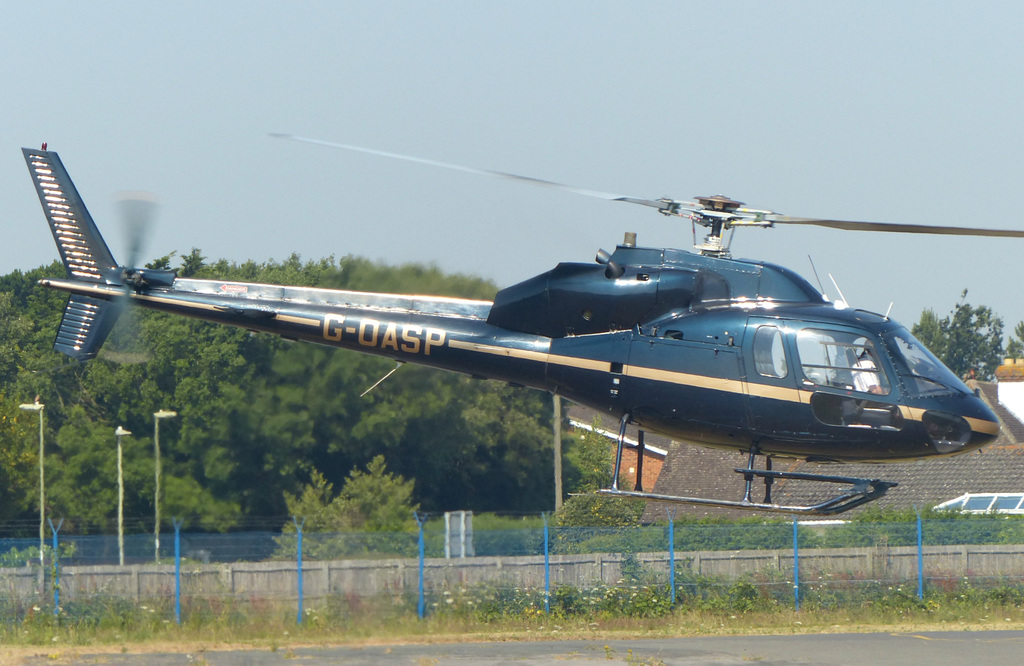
point(607, 196)
point(737, 216)
point(896, 228)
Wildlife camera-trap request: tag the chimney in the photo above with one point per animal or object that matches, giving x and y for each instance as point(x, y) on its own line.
point(1010, 387)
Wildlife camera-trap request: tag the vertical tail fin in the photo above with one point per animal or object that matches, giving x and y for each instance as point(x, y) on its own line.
point(87, 320)
point(82, 249)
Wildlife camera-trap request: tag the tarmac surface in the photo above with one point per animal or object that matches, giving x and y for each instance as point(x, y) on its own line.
point(992, 648)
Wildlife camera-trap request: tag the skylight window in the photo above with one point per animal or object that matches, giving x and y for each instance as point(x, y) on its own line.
point(986, 502)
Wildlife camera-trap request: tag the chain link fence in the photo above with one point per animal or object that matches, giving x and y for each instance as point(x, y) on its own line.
point(634, 571)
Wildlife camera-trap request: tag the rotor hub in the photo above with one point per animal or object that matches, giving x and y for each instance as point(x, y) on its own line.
point(719, 202)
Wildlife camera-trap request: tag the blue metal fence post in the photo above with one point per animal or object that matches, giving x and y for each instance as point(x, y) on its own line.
point(56, 566)
point(671, 557)
point(421, 605)
point(547, 567)
point(920, 558)
point(177, 569)
point(796, 566)
point(298, 549)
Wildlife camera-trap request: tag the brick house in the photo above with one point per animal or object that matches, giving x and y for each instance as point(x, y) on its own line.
point(655, 446)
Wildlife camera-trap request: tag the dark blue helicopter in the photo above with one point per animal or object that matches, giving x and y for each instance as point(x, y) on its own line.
point(701, 347)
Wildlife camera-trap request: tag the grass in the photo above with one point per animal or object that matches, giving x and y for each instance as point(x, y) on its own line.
point(116, 625)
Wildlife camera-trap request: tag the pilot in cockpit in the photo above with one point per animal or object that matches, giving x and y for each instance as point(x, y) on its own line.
point(865, 374)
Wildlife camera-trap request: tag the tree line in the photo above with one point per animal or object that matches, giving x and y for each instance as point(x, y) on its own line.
point(260, 419)
point(266, 427)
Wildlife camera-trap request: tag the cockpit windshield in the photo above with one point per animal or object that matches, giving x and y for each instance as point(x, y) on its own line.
point(922, 373)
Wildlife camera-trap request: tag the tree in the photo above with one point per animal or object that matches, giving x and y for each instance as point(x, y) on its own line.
point(14, 332)
point(1015, 348)
point(967, 339)
point(258, 415)
point(191, 263)
point(929, 330)
point(593, 461)
point(18, 459)
point(371, 501)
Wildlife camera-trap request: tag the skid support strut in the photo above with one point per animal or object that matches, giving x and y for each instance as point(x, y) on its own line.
point(623, 422)
point(748, 475)
point(638, 487)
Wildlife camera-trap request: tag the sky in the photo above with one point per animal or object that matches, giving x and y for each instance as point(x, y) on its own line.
point(904, 112)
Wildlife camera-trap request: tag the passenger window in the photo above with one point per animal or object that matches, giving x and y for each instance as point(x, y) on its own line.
point(840, 360)
point(854, 412)
point(769, 352)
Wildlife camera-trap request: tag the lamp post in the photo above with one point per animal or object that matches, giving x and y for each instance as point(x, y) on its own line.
point(120, 432)
point(38, 407)
point(162, 414)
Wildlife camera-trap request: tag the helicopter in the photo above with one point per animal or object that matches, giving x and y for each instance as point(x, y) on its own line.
point(736, 354)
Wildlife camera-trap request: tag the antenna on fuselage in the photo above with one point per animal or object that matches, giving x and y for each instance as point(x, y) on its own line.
point(380, 381)
point(820, 286)
point(842, 303)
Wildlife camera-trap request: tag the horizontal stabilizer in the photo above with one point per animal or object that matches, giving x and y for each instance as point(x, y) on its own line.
point(87, 322)
point(82, 249)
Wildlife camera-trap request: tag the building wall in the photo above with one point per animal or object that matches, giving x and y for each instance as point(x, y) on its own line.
point(1011, 395)
point(652, 468)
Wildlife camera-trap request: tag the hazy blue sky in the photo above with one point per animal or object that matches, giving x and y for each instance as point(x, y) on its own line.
point(886, 111)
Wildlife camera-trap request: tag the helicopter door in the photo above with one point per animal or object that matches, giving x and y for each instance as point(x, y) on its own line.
point(847, 376)
point(687, 376)
point(774, 399)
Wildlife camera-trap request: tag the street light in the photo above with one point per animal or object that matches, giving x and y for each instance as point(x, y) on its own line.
point(38, 407)
point(120, 432)
point(162, 414)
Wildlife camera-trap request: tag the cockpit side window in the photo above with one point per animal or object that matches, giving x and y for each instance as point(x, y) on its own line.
point(842, 360)
point(770, 352)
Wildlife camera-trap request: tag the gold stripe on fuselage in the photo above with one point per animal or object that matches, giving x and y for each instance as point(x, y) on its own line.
point(305, 321)
point(688, 379)
point(529, 355)
point(778, 392)
point(673, 377)
point(981, 425)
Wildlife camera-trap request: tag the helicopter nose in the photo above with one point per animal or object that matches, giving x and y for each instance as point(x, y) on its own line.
point(959, 423)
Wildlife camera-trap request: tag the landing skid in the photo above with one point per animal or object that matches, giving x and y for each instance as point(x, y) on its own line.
point(859, 491)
